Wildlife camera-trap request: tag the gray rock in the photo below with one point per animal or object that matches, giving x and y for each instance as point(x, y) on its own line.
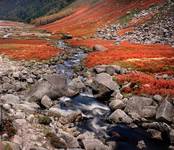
point(86, 135)
point(116, 104)
point(165, 111)
point(141, 145)
point(161, 126)
point(70, 140)
point(30, 80)
point(55, 86)
point(107, 80)
point(55, 112)
point(98, 47)
point(27, 107)
point(19, 115)
point(20, 86)
point(155, 134)
point(157, 98)
point(100, 91)
point(19, 122)
point(149, 111)
point(10, 99)
point(137, 104)
point(110, 70)
point(120, 116)
point(100, 69)
point(172, 136)
point(10, 145)
point(56, 141)
point(6, 106)
point(46, 101)
point(118, 96)
point(94, 144)
point(76, 85)
point(16, 75)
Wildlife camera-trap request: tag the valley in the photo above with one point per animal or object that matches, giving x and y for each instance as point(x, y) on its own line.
point(95, 75)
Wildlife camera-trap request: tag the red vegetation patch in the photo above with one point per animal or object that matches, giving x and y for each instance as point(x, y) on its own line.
point(125, 30)
point(86, 19)
point(146, 84)
point(14, 41)
point(27, 49)
point(126, 51)
point(163, 66)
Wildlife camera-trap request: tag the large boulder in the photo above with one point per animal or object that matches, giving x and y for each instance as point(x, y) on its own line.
point(76, 85)
point(103, 86)
point(165, 111)
point(46, 101)
point(107, 80)
point(94, 144)
point(120, 116)
point(6, 145)
point(98, 47)
point(53, 86)
point(100, 91)
point(10, 99)
point(100, 68)
point(110, 70)
point(27, 107)
point(116, 104)
point(70, 140)
point(91, 143)
point(140, 107)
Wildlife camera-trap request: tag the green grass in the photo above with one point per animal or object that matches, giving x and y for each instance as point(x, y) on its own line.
point(128, 17)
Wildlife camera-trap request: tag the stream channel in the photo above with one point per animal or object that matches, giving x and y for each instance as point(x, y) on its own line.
point(96, 113)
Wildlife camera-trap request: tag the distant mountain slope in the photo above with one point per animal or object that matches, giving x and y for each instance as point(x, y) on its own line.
point(25, 10)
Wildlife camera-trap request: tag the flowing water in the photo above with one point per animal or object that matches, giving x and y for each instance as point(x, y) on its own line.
point(96, 113)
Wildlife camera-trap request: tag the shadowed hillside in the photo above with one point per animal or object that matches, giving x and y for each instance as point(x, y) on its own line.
point(25, 10)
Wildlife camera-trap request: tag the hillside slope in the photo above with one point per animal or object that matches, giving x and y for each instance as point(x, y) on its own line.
point(25, 10)
point(85, 18)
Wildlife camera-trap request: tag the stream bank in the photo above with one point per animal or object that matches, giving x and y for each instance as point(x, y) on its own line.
point(85, 112)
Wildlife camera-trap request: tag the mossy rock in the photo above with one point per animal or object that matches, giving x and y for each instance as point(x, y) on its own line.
point(45, 120)
point(7, 147)
point(55, 141)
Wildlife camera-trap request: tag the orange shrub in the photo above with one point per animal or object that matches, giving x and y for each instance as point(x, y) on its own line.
point(27, 49)
point(146, 84)
point(125, 30)
point(126, 51)
point(165, 65)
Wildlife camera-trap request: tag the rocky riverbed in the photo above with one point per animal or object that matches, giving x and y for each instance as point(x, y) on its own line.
point(59, 104)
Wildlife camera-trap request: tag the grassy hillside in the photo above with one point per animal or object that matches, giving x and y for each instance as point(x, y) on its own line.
point(26, 10)
point(63, 13)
